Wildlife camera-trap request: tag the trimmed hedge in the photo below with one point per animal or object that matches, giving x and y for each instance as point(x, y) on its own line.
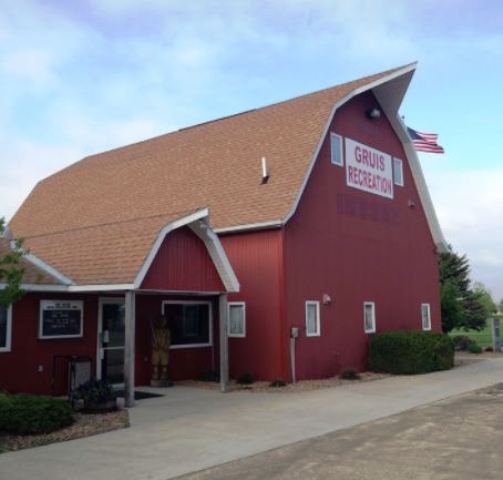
point(410, 352)
point(32, 414)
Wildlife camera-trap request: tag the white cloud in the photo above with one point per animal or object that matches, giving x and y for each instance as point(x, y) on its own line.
point(469, 204)
point(91, 76)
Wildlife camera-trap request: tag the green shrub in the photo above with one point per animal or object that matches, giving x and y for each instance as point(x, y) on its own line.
point(278, 382)
point(350, 374)
point(410, 352)
point(245, 379)
point(474, 348)
point(93, 392)
point(210, 376)
point(32, 414)
point(462, 342)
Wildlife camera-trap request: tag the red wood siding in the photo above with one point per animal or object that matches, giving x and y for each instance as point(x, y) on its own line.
point(19, 368)
point(257, 258)
point(356, 246)
point(183, 264)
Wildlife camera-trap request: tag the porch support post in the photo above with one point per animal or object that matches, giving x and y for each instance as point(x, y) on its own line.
point(224, 343)
point(130, 320)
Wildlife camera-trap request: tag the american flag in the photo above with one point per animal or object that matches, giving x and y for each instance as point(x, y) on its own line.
point(425, 142)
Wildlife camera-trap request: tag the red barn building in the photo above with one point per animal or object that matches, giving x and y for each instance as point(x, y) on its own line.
point(274, 241)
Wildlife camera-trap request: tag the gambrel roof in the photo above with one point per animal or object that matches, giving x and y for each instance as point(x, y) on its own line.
point(96, 220)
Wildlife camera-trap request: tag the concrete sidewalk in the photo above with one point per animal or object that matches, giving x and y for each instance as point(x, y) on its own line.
point(191, 429)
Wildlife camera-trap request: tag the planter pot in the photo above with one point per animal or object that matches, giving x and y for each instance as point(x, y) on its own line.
point(107, 406)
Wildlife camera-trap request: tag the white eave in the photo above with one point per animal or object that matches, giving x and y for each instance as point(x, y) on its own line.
point(389, 91)
point(198, 223)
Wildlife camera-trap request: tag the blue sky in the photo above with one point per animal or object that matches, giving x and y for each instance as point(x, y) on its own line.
point(81, 77)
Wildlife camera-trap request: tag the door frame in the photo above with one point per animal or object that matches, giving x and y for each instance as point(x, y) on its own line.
point(104, 301)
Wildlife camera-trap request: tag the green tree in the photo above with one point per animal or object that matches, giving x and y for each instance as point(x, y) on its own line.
point(484, 296)
point(461, 305)
point(11, 269)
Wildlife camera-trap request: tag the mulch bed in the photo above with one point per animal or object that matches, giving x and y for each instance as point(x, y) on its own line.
point(300, 386)
point(85, 425)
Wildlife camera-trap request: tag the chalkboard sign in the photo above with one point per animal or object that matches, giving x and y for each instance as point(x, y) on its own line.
point(61, 318)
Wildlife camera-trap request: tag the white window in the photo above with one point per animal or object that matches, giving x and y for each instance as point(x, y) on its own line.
point(369, 317)
point(312, 318)
point(398, 172)
point(237, 319)
point(5, 328)
point(426, 316)
point(336, 150)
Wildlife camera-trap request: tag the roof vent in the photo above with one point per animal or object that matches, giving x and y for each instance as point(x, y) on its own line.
point(265, 172)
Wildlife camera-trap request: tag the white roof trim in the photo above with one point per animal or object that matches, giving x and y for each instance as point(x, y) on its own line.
point(211, 241)
point(45, 267)
point(34, 287)
point(217, 254)
point(250, 226)
point(101, 288)
point(418, 176)
point(410, 152)
point(422, 188)
point(340, 103)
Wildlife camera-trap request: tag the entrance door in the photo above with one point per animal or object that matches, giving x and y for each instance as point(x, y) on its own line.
point(111, 335)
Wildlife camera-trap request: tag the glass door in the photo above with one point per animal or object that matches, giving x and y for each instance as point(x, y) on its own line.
point(111, 337)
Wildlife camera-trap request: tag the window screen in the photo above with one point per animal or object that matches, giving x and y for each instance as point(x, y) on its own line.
point(4, 328)
point(336, 149)
point(398, 171)
point(369, 317)
point(426, 316)
point(237, 327)
point(312, 318)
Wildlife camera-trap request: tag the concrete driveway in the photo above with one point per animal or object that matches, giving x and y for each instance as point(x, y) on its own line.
point(459, 438)
point(192, 429)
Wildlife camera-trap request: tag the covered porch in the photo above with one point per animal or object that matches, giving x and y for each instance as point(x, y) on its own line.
point(127, 329)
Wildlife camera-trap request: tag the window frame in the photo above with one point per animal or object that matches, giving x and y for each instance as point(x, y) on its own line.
point(210, 320)
point(398, 161)
point(8, 332)
point(374, 319)
point(428, 309)
point(229, 333)
point(316, 303)
point(46, 301)
point(341, 149)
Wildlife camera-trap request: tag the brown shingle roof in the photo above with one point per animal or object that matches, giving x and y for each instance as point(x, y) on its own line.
point(32, 274)
point(67, 218)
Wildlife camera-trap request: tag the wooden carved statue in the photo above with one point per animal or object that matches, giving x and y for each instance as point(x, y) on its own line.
point(161, 341)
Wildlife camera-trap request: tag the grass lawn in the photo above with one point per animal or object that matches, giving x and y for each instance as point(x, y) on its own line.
point(483, 338)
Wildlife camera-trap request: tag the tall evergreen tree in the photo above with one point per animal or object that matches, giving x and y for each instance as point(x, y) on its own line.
point(461, 305)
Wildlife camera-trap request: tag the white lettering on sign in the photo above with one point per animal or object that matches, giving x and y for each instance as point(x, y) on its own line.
point(368, 169)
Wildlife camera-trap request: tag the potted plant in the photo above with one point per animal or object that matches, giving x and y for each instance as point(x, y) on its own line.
point(94, 396)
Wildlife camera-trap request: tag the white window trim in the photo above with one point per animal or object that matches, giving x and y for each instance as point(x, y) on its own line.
point(8, 333)
point(318, 320)
point(56, 337)
point(374, 322)
point(399, 161)
point(210, 319)
point(341, 149)
point(427, 305)
point(236, 335)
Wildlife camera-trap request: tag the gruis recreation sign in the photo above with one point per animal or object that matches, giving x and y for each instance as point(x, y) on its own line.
point(368, 169)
